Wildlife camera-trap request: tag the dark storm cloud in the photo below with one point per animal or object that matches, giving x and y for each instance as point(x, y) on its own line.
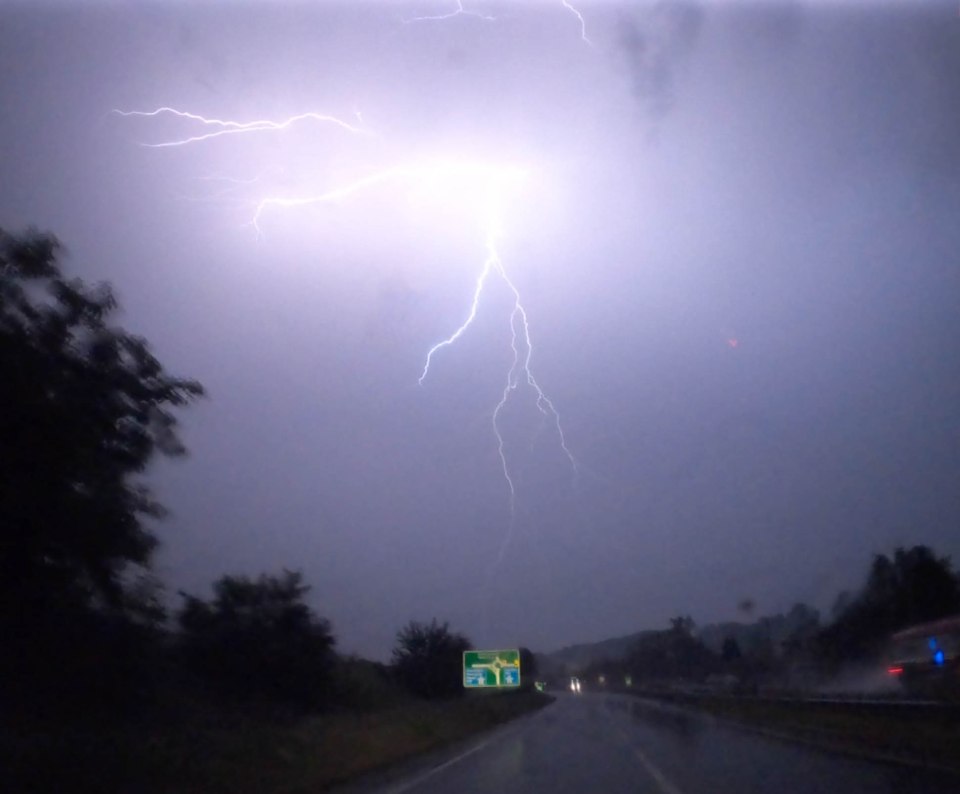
point(655, 42)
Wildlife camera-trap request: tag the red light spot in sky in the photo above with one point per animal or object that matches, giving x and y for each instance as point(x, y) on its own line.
point(733, 342)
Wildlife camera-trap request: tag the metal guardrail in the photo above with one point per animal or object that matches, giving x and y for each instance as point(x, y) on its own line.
point(861, 700)
point(912, 708)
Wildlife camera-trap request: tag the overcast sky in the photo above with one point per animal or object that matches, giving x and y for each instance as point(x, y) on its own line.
point(736, 238)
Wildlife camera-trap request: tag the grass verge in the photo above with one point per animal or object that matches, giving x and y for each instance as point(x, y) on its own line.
point(922, 737)
point(243, 754)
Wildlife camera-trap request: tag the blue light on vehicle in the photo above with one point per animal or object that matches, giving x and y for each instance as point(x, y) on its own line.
point(938, 658)
point(932, 642)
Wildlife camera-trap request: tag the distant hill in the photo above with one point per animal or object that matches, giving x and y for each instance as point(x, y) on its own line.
point(575, 657)
point(766, 634)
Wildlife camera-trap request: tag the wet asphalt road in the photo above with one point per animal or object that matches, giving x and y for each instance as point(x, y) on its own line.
point(611, 743)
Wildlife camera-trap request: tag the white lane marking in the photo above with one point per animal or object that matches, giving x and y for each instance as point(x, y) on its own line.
point(455, 760)
point(666, 787)
point(519, 724)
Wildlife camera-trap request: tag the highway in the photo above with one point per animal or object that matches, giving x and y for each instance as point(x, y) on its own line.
point(615, 743)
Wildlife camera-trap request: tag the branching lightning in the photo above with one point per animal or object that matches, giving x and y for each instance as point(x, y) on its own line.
point(488, 266)
point(229, 185)
point(519, 367)
point(459, 11)
point(218, 127)
point(489, 185)
point(583, 25)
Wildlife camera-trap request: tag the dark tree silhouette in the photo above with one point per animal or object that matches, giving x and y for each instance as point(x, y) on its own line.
point(672, 654)
point(428, 659)
point(683, 625)
point(841, 604)
point(529, 668)
point(258, 639)
point(730, 652)
point(913, 586)
point(84, 407)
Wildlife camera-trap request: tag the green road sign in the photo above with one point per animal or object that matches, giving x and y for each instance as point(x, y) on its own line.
point(491, 669)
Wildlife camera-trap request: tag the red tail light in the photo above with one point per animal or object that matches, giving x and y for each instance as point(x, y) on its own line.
point(895, 670)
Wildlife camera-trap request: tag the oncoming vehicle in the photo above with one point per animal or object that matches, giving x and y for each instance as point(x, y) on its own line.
point(926, 657)
point(575, 685)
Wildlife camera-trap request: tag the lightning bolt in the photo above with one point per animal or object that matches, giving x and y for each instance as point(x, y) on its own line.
point(459, 11)
point(229, 185)
point(520, 366)
point(583, 25)
point(488, 182)
point(218, 127)
point(521, 344)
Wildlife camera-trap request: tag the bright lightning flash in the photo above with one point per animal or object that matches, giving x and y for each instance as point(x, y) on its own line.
point(484, 187)
point(489, 185)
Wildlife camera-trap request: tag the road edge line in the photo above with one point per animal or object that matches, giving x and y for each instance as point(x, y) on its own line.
point(665, 784)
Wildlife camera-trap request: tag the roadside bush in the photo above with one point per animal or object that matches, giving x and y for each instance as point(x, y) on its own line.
point(428, 659)
point(258, 640)
point(364, 685)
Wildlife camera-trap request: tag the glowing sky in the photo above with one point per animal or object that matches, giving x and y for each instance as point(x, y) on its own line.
point(734, 235)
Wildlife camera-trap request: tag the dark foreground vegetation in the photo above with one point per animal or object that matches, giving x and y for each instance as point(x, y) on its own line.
point(197, 747)
point(102, 687)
